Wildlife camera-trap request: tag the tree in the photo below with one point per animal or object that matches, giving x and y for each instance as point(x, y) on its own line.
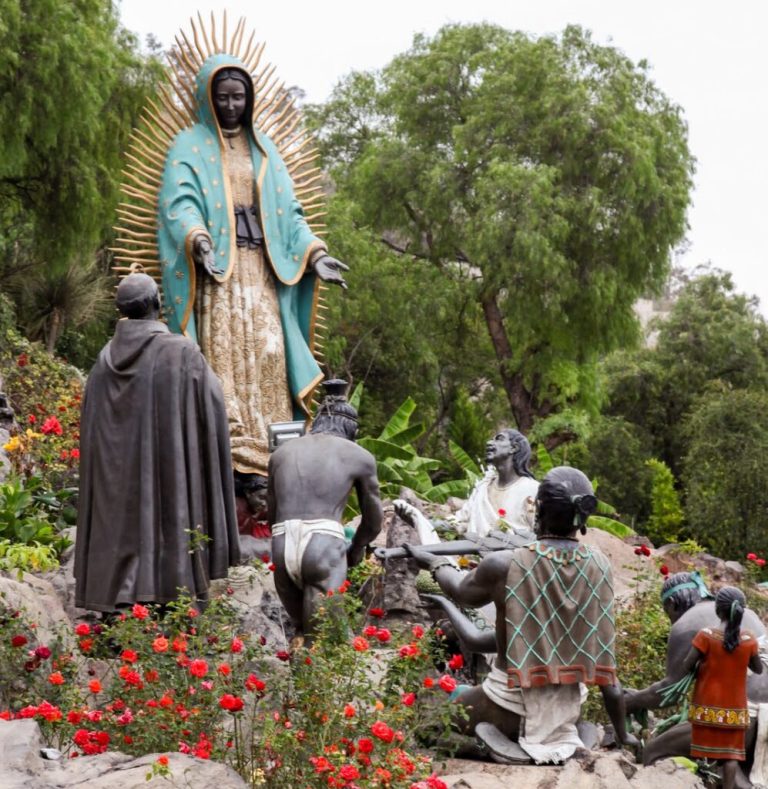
point(711, 335)
point(726, 466)
point(548, 176)
point(405, 333)
point(72, 83)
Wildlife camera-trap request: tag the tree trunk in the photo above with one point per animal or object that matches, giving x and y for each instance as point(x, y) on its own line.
point(521, 401)
point(54, 329)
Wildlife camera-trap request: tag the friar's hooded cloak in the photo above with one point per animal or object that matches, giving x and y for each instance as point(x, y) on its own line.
point(156, 508)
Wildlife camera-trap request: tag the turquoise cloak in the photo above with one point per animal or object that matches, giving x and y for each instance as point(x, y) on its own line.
point(195, 197)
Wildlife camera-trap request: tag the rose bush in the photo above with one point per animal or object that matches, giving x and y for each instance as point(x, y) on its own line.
point(346, 712)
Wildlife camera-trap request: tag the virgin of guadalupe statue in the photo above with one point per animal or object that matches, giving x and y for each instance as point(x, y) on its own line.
point(225, 169)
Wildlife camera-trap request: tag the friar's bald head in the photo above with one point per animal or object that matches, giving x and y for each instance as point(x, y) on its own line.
point(138, 297)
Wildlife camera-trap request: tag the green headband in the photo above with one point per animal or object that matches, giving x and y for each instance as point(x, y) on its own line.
point(696, 582)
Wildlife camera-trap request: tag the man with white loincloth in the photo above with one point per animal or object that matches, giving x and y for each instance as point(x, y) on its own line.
point(310, 479)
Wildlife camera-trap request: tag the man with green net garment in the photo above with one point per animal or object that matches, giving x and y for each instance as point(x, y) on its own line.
point(554, 630)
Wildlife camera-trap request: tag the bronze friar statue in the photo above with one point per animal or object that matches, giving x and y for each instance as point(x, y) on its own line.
point(156, 510)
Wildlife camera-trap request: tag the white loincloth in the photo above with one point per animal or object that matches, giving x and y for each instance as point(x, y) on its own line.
point(298, 533)
point(549, 714)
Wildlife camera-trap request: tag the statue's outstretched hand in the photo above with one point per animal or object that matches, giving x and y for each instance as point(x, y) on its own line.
point(406, 511)
point(330, 270)
point(203, 255)
point(423, 558)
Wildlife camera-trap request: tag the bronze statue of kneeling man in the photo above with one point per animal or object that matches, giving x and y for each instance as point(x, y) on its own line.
point(310, 479)
point(554, 630)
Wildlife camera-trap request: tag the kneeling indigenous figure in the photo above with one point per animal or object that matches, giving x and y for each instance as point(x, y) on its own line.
point(554, 630)
point(310, 479)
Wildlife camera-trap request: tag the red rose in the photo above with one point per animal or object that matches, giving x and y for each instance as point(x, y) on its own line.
point(231, 703)
point(364, 745)
point(370, 631)
point(456, 662)
point(448, 684)
point(140, 611)
point(760, 562)
point(83, 629)
point(198, 668)
point(349, 711)
point(160, 644)
point(502, 512)
point(283, 655)
point(51, 425)
point(664, 570)
point(428, 682)
point(349, 772)
point(383, 635)
point(129, 656)
point(751, 557)
point(162, 760)
point(254, 683)
point(19, 641)
point(408, 699)
point(418, 631)
point(31, 419)
point(382, 731)
point(321, 764)
point(57, 678)
point(236, 645)
point(359, 644)
point(377, 612)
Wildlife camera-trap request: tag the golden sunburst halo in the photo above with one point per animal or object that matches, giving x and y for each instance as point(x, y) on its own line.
point(172, 110)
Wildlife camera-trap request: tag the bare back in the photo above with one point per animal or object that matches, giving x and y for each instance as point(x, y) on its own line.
point(312, 476)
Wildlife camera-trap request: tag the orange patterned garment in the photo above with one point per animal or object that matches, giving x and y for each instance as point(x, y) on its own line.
point(718, 714)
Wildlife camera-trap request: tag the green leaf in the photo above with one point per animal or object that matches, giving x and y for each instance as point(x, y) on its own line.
point(616, 528)
point(356, 396)
point(400, 420)
point(603, 508)
point(546, 463)
point(385, 450)
point(463, 459)
point(407, 436)
point(455, 487)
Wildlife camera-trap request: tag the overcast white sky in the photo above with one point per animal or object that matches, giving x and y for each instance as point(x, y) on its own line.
point(708, 57)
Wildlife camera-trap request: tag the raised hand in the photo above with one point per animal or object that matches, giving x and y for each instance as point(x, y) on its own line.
point(330, 270)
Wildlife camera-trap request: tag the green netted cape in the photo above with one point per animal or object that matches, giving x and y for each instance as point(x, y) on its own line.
point(559, 614)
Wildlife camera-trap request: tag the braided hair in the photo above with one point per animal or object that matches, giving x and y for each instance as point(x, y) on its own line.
point(565, 500)
point(729, 607)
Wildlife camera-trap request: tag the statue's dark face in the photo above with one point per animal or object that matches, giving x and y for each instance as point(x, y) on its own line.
point(499, 448)
point(229, 99)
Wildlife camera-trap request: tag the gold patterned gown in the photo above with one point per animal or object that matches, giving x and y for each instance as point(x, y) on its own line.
point(240, 334)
